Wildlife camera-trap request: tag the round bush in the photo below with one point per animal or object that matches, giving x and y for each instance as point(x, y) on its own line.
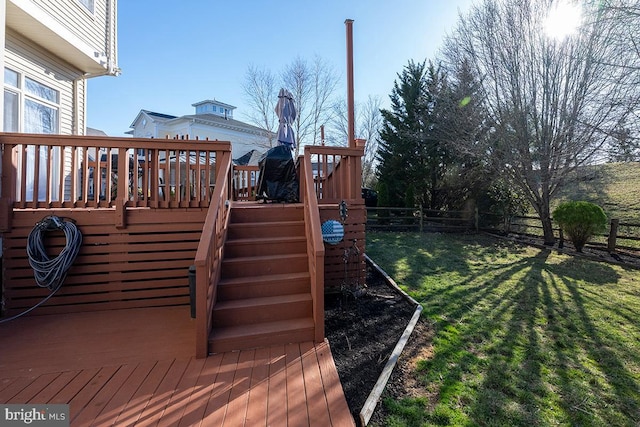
point(580, 220)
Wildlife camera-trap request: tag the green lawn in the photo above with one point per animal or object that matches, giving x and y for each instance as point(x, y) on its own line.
point(523, 336)
point(612, 186)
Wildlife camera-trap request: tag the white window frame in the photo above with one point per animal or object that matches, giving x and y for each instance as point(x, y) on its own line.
point(25, 95)
point(90, 5)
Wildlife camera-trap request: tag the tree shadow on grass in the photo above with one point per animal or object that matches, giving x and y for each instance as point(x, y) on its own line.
point(515, 355)
point(552, 363)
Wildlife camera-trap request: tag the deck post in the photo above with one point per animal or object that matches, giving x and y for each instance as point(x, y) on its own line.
point(351, 126)
point(8, 188)
point(123, 188)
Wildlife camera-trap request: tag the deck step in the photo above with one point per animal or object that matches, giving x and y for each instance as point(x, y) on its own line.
point(265, 246)
point(264, 293)
point(266, 212)
point(264, 265)
point(263, 286)
point(258, 230)
point(230, 338)
point(263, 309)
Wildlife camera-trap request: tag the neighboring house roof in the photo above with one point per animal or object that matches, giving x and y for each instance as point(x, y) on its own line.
point(207, 119)
point(160, 115)
point(219, 121)
point(94, 132)
point(251, 158)
point(152, 115)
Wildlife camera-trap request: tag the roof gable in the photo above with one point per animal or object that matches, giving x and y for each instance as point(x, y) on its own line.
point(151, 115)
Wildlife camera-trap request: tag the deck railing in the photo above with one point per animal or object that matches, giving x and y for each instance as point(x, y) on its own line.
point(315, 246)
point(245, 182)
point(54, 171)
point(209, 255)
point(337, 172)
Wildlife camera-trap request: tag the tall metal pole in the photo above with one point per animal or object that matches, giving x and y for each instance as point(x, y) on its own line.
point(351, 125)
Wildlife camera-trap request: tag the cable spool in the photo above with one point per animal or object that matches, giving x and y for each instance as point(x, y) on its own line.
point(50, 273)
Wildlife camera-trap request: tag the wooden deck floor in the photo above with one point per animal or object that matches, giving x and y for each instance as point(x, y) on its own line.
point(136, 367)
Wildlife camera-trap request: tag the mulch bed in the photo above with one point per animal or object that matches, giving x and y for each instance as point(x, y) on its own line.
point(363, 330)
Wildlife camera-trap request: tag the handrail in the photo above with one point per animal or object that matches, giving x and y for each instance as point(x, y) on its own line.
point(71, 171)
point(337, 172)
point(209, 254)
point(315, 246)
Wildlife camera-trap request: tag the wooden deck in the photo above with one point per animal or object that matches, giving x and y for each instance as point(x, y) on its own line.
point(140, 369)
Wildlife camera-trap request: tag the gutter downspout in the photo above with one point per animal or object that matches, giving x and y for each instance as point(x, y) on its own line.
point(77, 119)
point(111, 47)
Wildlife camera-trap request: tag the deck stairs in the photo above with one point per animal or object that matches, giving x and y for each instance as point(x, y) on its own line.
point(264, 294)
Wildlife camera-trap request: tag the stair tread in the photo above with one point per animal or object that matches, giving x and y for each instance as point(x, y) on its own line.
point(266, 223)
point(226, 332)
point(261, 301)
point(257, 240)
point(256, 258)
point(231, 281)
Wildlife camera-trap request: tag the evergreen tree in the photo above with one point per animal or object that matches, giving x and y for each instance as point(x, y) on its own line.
point(401, 125)
point(412, 148)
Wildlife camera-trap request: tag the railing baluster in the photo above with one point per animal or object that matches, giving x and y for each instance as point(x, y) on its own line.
point(73, 177)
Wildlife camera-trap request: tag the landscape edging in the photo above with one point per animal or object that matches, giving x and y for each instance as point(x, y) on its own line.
point(370, 404)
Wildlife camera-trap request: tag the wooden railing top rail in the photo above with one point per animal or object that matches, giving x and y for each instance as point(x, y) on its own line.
point(70, 171)
point(312, 202)
point(209, 255)
point(109, 141)
point(337, 172)
point(330, 150)
point(315, 245)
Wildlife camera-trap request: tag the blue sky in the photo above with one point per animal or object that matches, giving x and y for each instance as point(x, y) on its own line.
point(173, 54)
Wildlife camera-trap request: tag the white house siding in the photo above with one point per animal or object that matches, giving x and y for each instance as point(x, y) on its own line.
point(241, 143)
point(31, 61)
point(88, 27)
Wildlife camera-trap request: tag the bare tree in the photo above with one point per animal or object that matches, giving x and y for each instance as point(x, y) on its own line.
point(552, 103)
point(368, 125)
point(368, 122)
point(261, 92)
point(312, 86)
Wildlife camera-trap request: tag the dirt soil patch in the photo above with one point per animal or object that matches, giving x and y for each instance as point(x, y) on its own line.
point(363, 330)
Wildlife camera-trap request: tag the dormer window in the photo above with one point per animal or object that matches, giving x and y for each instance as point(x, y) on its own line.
point(218, 108)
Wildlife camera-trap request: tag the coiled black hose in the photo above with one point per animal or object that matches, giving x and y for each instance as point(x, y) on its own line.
point(50, 273)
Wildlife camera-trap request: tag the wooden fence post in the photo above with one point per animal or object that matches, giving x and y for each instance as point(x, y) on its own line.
point(421, 219)
point(477, 219)
point(613, 232)
point(560, 239)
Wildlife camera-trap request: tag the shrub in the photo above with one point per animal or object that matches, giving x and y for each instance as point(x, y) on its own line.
point(580, 220)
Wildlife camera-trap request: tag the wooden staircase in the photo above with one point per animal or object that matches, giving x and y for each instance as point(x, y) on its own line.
point(264, 295)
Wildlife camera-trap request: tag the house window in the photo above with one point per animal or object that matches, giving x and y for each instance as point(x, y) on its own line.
point(33, 107)
point(29, 106)
point(88, 4)
point(10, 111)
